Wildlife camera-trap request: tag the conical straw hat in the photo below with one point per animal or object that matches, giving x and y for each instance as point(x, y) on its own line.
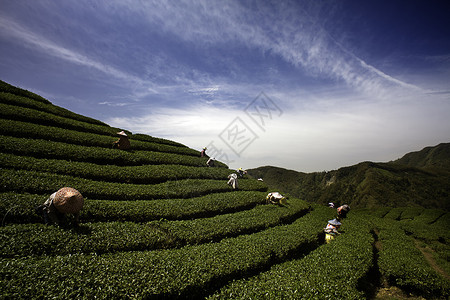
point(122, 133)
point(68, 200)
point(334, 222)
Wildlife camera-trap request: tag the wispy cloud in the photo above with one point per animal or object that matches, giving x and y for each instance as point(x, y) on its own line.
point(294, 36)
point(16, 30)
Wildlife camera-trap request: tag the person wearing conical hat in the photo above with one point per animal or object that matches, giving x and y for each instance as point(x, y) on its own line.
point(203, 152)
point(331, 230)
point(275, 198)
point(123, 142)
point(241, 172)
point(66, 200)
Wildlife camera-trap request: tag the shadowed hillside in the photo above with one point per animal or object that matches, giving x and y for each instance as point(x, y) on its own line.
point(417, 179)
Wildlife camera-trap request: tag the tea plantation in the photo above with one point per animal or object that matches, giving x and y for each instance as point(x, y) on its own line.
point(157, 223)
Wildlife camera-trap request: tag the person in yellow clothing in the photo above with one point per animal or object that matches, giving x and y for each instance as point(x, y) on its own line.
point(123, 142)
point(331, 230)
point(241, 172)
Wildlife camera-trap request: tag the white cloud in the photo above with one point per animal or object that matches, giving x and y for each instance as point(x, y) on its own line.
point(324, 135)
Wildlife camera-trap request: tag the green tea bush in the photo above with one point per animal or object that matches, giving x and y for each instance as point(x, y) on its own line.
point(188, 272)
point(404, 265)
point(46, 183)
point(7, 88)
point(57, 150)
point(411, 212)
point(429, 216)
point(35, 131)
point(245, 222)
point(395, 213)
point(45, 106)
point(19, 208)
point(34, 239)
point(10, 112)
point(128, 174)
point(332, 271)
point(20, 101)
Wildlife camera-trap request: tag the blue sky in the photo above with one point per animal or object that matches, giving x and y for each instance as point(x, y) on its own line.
point(304, 85)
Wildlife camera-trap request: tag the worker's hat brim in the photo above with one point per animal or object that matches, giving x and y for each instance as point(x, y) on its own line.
point(334, 222)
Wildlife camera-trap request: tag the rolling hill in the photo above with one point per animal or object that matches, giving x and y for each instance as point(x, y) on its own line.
point(417, 179)
point(157, 223)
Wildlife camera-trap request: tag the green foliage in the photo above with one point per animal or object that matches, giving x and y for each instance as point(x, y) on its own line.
point(97, 155)
point(19, 208)
point(45, 106)
point(36, 239)
point(402, 263)
point(46, 183)
point(186, 272)
point(7, 88)
point(332, 271)
point(366, 185)
point(97, 139)
point(395, 213)
point(431, 158)
point(128, 174)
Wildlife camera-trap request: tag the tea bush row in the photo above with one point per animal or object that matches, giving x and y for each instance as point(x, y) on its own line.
point(410, 213)
point(332, 271)
point(8, 88)
point(57, 150)
point(128, 174)
point(19, 208)
point(245, 222)
point(432, 236)
point(395, 213)
point(57, 134)
point(35, 239)
point(45, 106)
point(403, 264)
point(12, 112)
point(66, 119)
point(188, 272)
point(427, 231)
point(429, 216)
point(45, 183)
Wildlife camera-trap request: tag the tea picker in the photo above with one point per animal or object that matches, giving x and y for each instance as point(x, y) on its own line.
point(331, 230)
point(233, 181)
point(241, 172)
point(275, 198)
point(123, 142)
point(210, 162)
point(66, 200)
point(203, 152)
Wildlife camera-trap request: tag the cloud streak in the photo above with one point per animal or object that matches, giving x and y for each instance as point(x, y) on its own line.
point(18, 31)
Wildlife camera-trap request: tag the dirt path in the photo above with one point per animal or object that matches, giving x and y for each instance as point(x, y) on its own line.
point(428, 254)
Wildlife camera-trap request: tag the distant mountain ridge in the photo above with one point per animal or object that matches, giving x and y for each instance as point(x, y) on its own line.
point(419, 178)
point(429, 157)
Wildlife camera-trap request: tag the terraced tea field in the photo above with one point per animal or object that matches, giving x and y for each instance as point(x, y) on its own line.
point(158, 223)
